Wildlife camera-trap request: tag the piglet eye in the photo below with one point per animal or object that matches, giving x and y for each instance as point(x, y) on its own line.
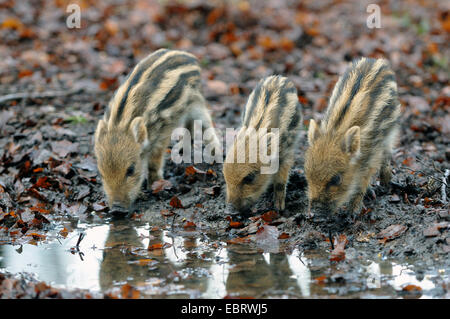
point(335, 180)
point(130, 171)
point(249, 178)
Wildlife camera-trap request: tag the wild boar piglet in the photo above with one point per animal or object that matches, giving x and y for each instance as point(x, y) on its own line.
point(160, 94)
point(354, 139)
point(272, 118)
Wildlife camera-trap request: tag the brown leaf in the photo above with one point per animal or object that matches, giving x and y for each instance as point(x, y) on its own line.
point(284, 236)
point(64, 232)
point(269, 216)
point(64, 147)
point(434, 230)
point(213, 191)
point(99, 207)
point(41, 287)
point(42, 182)
point(391, 232)
point(240, 240)
point(167, 213)
point(158, 246)
point(160, 185)
point(189, 224)
point(64, 168)
point(146, 262)
point(287, 44)
point(35, 193)
point(12, 23)
point(25, 73)
point(128, 292)
point(192, 170)
point(175, 202)
point(211, 172)
point(338, 253)
point(235, 224)
point(321, 280)
point(37, 236)
point(39, 208)
point(412, 289)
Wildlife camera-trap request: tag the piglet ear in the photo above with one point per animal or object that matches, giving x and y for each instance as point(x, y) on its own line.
point(101, 130)
point(139, 130)
point(313, 132)
point(352, 140)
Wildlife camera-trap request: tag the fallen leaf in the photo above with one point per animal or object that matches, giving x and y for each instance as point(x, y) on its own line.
point(25, 73)
point(64, 147)
point(128, 292)
point(235, 224)
point(338, 253)
point(37, 236)
point(64, 232)
point(167, 213)
point(269, 216)
point(213, 191)
point(321, 280)
point(99, 207)
point(189, 224)
point(12, 23)
point(42, 182)
point(240, 240)
point(191, 171)
point(158, 246)
point(64, 168)
point(175, 202)
point(146, 262)
point(41, 287)
point(284, 236)
point(391, 232)
point(412, 289)
point(160, 185)
point(434, 230)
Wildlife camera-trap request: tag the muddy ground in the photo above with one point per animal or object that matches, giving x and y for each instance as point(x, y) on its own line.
point(48, 172)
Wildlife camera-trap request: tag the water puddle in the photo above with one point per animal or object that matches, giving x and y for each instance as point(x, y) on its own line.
point(188, 264)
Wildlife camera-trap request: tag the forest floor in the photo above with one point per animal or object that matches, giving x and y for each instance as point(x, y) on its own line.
point(48, 174)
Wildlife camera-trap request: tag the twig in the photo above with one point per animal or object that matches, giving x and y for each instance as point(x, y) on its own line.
point(331, 239)
point(173, 221)
point(443, 186)
point(76, 249)
point(80, 238)
point(38, 95)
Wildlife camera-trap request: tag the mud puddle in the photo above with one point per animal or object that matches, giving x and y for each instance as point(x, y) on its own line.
point(171, 262)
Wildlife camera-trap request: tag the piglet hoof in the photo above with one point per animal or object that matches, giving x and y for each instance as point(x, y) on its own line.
point(370, 194)
point(279, 204)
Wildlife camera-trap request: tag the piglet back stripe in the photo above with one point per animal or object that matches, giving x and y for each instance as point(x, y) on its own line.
point(295, 119)
point(249, 108)
point(140, 69)
point(361, 71)
point(356, 85)
point(272, 103)
point(176, 91)
point(151, 85)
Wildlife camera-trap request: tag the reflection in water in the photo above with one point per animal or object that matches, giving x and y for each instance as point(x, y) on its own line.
point(188, 265)
point(55, 264)
point(216, 285)
point(115, 266)
point(301, 272)
point(398, 276)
